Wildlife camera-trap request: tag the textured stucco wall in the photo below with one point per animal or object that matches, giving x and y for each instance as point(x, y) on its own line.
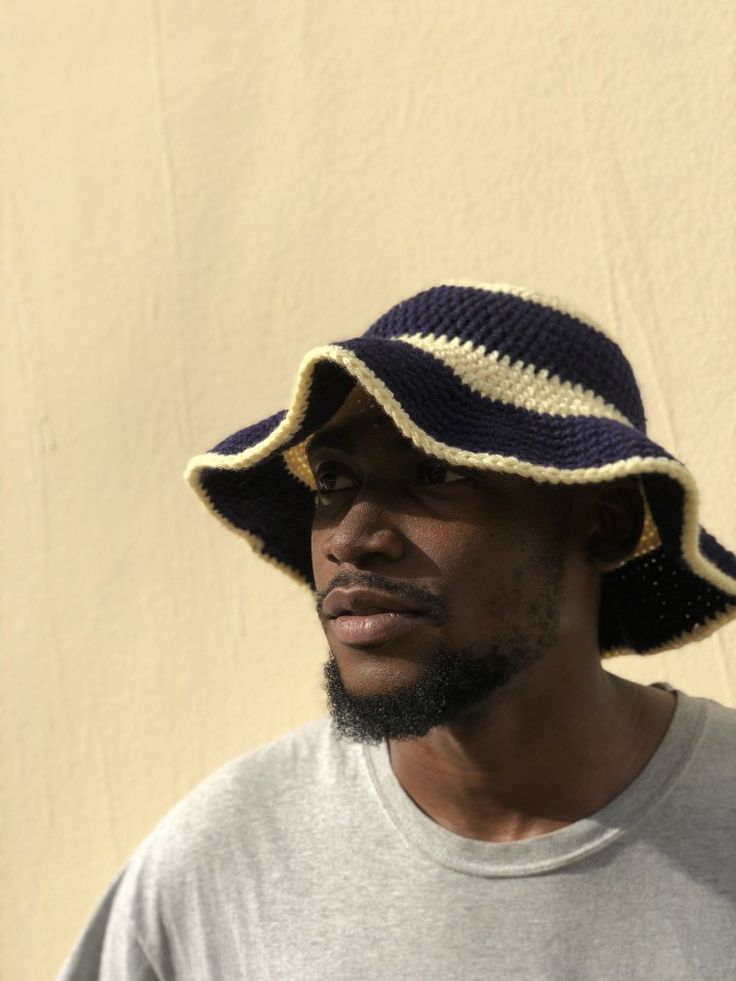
point(193, 194)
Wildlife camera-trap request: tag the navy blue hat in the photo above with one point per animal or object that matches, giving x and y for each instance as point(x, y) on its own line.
point(498, 378)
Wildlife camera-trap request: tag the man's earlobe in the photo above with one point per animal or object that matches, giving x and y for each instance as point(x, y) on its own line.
point(619, 522)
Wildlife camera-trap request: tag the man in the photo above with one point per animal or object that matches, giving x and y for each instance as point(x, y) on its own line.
point(469, 491)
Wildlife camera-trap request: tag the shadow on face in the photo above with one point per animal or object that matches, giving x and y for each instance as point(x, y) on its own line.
point(437, 585)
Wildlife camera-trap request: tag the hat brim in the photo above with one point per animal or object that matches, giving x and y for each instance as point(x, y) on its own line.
point(679, 586)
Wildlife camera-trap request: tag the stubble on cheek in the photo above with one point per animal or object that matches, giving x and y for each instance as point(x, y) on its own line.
point(520, 604)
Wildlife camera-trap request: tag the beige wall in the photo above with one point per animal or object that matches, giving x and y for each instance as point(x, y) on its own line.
point(193, 195)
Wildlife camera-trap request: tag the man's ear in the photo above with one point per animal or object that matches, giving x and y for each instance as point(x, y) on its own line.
point(619, 519)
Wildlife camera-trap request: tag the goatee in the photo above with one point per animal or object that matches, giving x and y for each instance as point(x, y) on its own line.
point(452, 683)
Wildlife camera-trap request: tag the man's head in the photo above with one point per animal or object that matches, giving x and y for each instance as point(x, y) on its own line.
point(535, 539)
point(437, 585)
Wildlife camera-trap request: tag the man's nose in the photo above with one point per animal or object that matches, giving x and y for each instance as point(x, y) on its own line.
point(365, 533)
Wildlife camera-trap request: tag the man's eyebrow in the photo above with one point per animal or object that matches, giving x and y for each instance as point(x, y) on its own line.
point(332, 439)
point(343, 439)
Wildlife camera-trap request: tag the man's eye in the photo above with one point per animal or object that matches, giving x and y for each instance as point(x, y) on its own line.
point(328, 481)
point(440, 473)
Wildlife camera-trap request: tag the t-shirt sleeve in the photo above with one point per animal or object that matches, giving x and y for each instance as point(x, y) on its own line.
point(109, 948)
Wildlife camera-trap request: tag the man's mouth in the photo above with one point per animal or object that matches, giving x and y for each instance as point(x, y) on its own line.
point(368, 618)
point(369, 629)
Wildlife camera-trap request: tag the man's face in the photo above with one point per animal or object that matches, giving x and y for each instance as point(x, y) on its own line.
point(435, 585)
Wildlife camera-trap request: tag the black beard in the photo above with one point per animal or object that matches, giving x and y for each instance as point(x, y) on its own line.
point(456, 681)
point(452, 683)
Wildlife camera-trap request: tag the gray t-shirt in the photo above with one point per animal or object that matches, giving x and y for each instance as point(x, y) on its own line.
point(305, 860)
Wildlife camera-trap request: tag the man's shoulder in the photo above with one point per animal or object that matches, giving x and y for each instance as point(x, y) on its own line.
point(231, 833)
point(709, 775)
point(273, 770)
point(269, 767)
point(722, 716)
point(719, 736)
point(250, 804)
point(283, 757)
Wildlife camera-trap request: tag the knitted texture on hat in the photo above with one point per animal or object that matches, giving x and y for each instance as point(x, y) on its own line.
point(498, 378)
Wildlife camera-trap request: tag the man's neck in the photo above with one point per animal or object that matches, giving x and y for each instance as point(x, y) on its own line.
point(530, 762)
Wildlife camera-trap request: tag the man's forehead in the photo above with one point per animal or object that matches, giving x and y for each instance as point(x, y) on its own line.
point(359, 403)
point(358, 412)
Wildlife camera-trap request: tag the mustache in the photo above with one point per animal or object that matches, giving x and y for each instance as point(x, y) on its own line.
point(435, 605)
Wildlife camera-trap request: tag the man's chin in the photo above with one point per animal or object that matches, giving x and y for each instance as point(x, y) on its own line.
point(373, 718)
point(450, 684)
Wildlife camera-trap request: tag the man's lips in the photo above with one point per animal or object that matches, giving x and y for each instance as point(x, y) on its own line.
point(362, 602)
point(366, 617)
point(370, 629)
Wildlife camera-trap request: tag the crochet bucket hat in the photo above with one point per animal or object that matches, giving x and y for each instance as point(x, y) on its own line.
point(498, 378)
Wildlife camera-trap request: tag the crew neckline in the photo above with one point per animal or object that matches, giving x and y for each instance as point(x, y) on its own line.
point(543, 853)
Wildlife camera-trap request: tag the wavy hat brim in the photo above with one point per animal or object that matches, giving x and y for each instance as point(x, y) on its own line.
point(679, 586)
